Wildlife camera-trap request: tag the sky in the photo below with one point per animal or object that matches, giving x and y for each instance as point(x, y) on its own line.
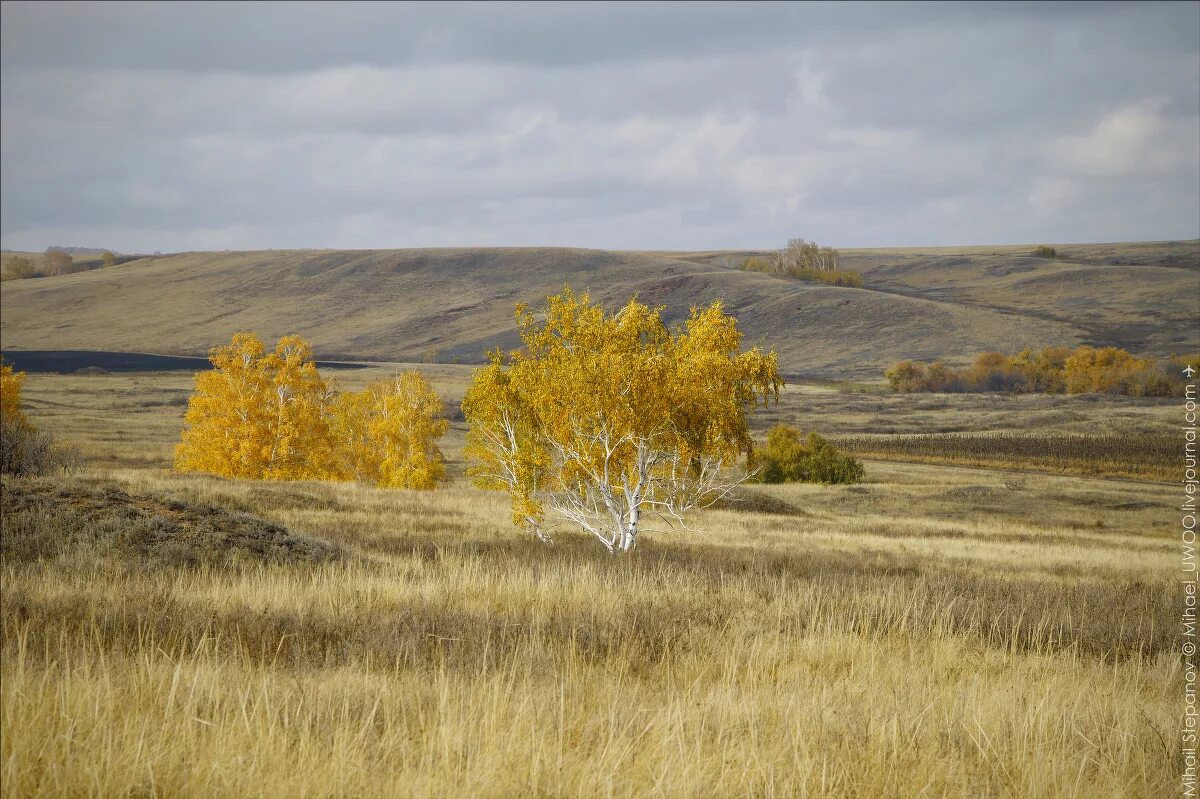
point(170, 127)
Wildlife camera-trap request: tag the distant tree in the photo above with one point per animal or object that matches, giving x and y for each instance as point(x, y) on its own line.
point(992, 371)
point(108, 258)
point(387, 434)
point(19, 267)
point(58, 262)
point(799, 255)
point(608, 418)
point(1108, 370)
point(906, 377)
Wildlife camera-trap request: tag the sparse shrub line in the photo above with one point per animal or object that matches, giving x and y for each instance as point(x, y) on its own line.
point(1053, 370)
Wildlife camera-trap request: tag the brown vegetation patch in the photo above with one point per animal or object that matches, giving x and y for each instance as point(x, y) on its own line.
point(45, 519)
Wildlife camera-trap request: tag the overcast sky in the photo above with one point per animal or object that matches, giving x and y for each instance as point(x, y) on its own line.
point(175, 127)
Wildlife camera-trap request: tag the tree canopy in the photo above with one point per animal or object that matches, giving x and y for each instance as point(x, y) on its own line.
point(604, 418)
point(272, 416)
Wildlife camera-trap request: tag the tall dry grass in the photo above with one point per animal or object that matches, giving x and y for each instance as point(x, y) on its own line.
point(932, 632)
point(818, 653)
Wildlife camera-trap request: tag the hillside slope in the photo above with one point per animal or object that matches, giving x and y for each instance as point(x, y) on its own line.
point(451, 305)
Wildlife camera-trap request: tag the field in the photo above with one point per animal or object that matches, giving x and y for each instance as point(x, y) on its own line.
point(934, 631)
point(451, 305)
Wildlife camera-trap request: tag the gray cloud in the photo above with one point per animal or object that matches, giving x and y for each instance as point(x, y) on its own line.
point(189, 126)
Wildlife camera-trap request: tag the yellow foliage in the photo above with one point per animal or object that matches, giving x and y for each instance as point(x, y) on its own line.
point(271, 416)
point(1108, 370)
point(387, 434)
point(1055, 370)
point(603, 409)
point(10, 396)
point(259, 415)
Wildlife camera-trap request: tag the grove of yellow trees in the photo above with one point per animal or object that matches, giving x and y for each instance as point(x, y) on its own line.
point(272, 416)
point(1053, 370)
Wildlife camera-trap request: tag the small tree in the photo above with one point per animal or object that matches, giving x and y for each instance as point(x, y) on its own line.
point(607, 418)
point(258, 415)
point(906, 377)
point(58, 262)
point(18, 268)
point(789, 458)
point(387, 434)
point(10, 395)
point(23, 448)
point(108, 258)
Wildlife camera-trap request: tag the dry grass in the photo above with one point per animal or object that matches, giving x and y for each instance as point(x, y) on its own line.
point(934, 631)
point(451, 305)
point(1147, 456)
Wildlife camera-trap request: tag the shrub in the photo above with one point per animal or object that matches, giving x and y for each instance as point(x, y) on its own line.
point(832, 277)
point(18, 268)
point(1044, 251)
point(59, 262)
point(786, 458)
point(24, 450)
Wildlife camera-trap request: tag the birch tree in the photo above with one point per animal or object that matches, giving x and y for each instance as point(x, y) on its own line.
point(800, 255)
point(258, 415)
point(606, 421)
point(387, 434)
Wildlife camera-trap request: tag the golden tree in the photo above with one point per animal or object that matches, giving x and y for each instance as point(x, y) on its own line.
point(607, 418)
point(259, 415)
point(387, 434)
point(10, 396)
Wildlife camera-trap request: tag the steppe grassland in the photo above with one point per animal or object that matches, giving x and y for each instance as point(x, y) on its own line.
point(935, 631)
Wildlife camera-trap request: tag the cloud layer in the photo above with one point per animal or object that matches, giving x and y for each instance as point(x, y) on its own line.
point(212, 126)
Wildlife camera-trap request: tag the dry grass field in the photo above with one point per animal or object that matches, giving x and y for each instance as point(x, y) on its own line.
point(450, 305)
point(934, 631)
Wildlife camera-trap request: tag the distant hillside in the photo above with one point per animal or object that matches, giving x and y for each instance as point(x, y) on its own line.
point(451, 305)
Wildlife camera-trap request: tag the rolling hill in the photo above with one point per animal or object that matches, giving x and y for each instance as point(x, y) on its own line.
point(451, 305)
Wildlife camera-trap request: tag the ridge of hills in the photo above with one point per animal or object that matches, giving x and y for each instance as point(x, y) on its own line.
point(453, 304)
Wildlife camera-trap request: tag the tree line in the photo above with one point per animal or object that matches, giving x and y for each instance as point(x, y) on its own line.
point(55, 262)
point(1052, 370)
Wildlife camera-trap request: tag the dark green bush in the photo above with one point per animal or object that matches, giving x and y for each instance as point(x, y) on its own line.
point(788, 458)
